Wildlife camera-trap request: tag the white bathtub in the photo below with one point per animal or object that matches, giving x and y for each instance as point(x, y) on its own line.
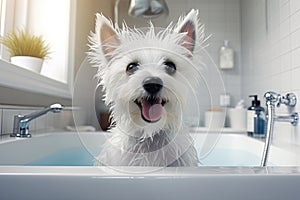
point(40, 168)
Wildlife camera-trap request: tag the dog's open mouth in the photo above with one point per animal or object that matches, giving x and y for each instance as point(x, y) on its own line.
point(151, 108)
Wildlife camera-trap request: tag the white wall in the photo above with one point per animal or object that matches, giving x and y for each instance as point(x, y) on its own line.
point(270, 56)
point(85, 22)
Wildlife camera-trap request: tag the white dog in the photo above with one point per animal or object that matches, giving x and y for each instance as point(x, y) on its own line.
point(146, 76)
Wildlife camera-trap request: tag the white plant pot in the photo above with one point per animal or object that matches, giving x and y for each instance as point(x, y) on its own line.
point(28, 62)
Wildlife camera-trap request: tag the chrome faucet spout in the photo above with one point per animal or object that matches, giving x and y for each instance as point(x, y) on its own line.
point(55, 108)
point(273, 99)
point(21, 122)
point(292, 118)
point(269, 132)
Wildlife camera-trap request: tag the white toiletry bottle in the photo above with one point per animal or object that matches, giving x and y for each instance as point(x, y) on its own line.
point(226, 56)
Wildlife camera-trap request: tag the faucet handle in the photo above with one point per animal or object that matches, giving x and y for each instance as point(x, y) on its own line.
point(271, 97)
point(291, 99)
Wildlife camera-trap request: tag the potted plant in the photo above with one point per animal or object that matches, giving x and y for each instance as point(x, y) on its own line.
point(26, 50)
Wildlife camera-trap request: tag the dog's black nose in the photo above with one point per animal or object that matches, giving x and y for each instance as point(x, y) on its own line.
point(152, 85)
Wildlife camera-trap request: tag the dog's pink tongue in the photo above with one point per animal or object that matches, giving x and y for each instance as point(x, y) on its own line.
point(152, 111)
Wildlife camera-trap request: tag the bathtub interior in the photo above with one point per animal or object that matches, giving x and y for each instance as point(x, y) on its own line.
point(79, 149)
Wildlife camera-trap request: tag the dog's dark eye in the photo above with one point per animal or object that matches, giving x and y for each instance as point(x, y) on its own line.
point(170, 67)
point(131, 68)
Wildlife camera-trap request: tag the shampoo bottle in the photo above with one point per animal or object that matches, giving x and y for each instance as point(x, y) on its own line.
point(226, 56)
point(256, 119)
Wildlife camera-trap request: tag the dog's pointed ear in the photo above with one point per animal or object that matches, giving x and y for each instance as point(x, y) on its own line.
point(189, 25)
point(106, 35)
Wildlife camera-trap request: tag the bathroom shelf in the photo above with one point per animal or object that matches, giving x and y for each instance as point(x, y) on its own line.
point(15, 77)
point(211, 130)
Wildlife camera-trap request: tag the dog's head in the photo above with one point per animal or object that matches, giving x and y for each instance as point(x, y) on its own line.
point(147, 73)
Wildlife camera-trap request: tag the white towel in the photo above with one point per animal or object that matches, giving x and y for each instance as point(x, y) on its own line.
point(81, 128)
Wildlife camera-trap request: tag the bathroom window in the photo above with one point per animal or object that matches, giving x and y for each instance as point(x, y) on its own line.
point(53, 20)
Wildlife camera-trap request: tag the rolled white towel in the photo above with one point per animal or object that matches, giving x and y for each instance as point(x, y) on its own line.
point(81, 128)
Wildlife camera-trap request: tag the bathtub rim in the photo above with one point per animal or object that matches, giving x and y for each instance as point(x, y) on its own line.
point(118, 172)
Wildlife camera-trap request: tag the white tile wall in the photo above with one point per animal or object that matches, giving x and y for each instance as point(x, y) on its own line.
point(7, 121)
point(271, 59)
point(0, 121)
point(48, 122)
point(294, 5)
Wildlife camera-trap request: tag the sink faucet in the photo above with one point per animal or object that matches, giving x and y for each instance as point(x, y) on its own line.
point(21, 122)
